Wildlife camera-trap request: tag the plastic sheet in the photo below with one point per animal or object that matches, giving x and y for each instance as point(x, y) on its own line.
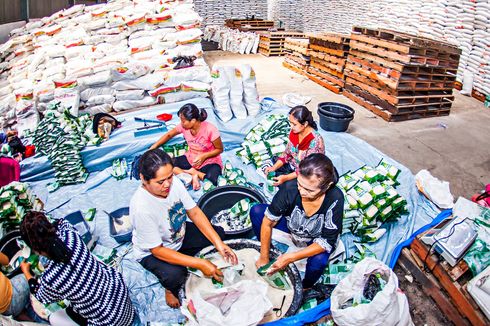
point(104, 192)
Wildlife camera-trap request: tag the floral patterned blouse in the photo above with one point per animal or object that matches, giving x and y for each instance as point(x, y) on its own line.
point(295, 151)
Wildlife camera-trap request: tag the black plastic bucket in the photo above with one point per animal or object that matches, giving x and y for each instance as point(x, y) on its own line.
point(225, 197)
point(291, 271)
point(335, 116)
point(9, 247)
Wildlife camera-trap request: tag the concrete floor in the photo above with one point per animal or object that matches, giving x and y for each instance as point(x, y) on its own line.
point(455, 148)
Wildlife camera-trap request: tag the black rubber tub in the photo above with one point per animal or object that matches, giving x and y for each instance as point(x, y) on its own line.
point(225, 197)
point(9, 247)
point(291, 271)
point(335, 116)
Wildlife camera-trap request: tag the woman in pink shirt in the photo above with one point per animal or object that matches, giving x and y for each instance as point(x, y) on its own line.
point(202, 160)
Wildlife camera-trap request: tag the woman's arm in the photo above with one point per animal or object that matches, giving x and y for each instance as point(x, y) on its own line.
point(218, 149)
point(165, 138)
point(284, 260)
point(197, 216)
point(4, 260)
point(265, 241)
point(285, 177)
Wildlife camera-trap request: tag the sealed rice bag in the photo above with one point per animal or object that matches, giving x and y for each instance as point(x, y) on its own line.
point(359, 174)
point(391, 171)
point(347, 181)
point(222, 181)
point(373, 237)
point(371, 175)
point(277, 280)
point(207, 186)
point(371, 212)
point(363, 196)
point(378, 191)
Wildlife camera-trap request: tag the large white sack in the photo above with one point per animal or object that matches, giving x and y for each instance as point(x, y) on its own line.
point(127, 105)
point(130, 70)
point(180, 96)
point(92, 110)
point(100, 99)
point(236, 92)
point(196, 73)
point(91, 92)
point(130, 95)
point(388, 308)
point(68, 94)
point(250, 95)
point(99, 79)
point(148, 82)
point(221, 94)
point(27, 122)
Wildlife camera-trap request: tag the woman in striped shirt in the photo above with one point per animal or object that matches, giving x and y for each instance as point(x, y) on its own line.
point(96, 292)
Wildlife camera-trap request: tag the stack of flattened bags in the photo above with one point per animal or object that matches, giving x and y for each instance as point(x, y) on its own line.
point(61, 137)
point(115, 56)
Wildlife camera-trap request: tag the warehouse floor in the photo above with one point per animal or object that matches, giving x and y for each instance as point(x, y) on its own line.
point(454, 148)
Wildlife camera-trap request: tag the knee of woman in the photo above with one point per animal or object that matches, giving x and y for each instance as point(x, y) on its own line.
point(258, 211)
point(319, 262)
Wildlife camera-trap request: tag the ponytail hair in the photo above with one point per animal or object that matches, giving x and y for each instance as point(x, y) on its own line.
point(189, 111)
point(303, 115)
point(40, 235)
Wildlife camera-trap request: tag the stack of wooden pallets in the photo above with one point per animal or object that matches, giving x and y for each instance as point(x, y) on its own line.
point(400, 76)
point(297, 55)
point(251, 25)
point(272, 43)
point(328, 56)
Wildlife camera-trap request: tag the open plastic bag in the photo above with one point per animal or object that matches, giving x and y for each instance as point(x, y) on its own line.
point(244, 303)
point(389, 306)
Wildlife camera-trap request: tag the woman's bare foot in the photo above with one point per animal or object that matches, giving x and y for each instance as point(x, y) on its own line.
point(172, 301)
point(196, 183)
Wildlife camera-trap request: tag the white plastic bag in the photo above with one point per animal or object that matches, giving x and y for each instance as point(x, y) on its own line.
point(236, 92)
point(436, 190)
point(252, 299)
point(221, 92)
point(250, 95)
point(388, 307)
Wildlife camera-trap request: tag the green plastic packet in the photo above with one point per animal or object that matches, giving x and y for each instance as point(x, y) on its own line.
point(277, 280)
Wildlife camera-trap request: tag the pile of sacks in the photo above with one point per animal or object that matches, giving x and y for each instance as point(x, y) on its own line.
point(116, 56)
point(234, 92)
point(232, 39)
point(286, 12)
point(215, 12)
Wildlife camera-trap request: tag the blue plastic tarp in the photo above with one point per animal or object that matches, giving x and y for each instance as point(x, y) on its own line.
point(104, 192)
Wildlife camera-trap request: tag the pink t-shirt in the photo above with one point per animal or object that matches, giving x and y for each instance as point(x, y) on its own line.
point(201, 143)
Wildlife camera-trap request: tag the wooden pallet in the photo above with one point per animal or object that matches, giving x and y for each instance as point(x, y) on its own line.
point(335, 38)
point(387, 115)
point(270, 53)
point(249, 25)
point(295, 68)
point(329, 77)
point(325, 83)
point(418, 105)
point(413, 40)
point(426, 57)
point(299, 59)
point(322, 67)
point(453, 284)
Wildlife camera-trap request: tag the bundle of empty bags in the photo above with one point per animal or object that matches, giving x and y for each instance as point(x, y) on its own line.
point(234, 92)
point(116, 56)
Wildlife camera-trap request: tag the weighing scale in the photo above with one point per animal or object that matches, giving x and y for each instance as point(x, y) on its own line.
point(156, 126)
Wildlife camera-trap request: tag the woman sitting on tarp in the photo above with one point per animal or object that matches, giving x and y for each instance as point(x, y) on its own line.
point(203, 159)
point(96, 292)
point(304, 139)
point(14, 293)
point(311, 212)
point(163, 241)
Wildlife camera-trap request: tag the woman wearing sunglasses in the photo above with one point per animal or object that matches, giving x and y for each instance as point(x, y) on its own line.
point(311, 212)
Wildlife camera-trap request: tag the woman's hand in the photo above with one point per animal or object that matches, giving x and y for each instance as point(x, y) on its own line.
point(227, 253)
point(211, 270)
point(279, 180)
point(282, 262)
point(25, 267)
point(268, 169)
point(261, 262)
point(199, 160)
